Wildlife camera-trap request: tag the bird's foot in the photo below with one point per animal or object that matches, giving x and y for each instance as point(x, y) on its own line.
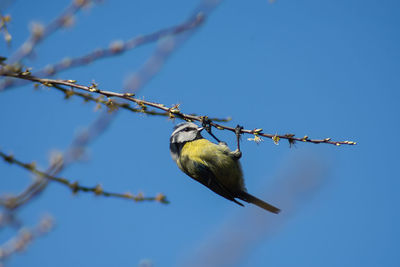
point(237, 154)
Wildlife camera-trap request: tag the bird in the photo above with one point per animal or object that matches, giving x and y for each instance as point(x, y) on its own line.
point(213, 165)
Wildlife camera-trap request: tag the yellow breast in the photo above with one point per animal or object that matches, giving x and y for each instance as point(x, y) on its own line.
point(216, 157)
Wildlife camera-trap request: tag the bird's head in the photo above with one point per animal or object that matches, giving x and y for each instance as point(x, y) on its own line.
point(185, 132)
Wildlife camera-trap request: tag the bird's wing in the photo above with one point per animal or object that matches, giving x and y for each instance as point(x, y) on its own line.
point(206, 177)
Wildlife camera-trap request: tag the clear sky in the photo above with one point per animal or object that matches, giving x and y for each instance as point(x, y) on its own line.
point(316, 68)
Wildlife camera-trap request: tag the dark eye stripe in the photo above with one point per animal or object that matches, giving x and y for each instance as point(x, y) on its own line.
point(188, 129)
point(185, 128)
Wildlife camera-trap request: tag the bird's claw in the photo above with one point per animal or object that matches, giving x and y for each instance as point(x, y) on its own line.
point(237, 154)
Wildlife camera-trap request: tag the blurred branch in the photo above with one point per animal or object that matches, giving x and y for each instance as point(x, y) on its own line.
point(13, 202)
point(40, 32)
point(115, 48)
point(173, 111)
point(24, 237)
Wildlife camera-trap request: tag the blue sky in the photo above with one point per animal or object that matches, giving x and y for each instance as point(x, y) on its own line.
point(316, 68)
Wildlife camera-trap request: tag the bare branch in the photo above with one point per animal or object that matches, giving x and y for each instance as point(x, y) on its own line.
point(75, 187)
point(173, 111)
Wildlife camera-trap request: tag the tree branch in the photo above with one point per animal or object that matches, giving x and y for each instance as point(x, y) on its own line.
point(13, 202)
point(173, 111)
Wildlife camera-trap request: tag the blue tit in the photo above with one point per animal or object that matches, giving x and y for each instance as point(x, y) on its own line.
point(213, 165)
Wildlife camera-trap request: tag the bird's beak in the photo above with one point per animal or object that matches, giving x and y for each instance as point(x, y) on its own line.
point(200, 129)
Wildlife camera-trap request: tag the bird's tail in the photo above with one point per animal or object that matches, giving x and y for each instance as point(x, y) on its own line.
point(252, 199)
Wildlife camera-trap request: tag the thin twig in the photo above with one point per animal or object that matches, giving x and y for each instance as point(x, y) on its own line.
point(173, 111)
point(75, 187)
